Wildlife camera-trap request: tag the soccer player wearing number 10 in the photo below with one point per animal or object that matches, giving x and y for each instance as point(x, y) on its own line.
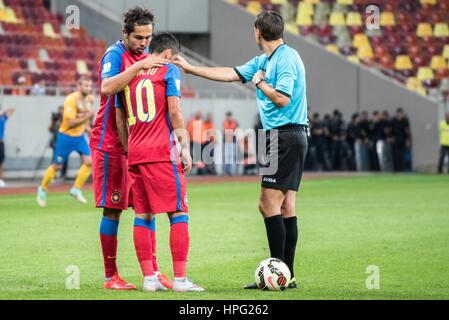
point(151, 105)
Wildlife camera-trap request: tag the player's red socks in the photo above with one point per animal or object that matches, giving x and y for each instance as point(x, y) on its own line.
point(108, 238)
point(143, 245)
point(179, 244)
point(153, 243)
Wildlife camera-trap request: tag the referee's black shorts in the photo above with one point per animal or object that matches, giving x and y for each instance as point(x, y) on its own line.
point(2, 152)
point(286, 148)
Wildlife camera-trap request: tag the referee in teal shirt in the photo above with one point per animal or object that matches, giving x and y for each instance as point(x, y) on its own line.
point(279, 77)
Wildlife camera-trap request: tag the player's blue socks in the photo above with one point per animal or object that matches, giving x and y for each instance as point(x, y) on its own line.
point(108, 238)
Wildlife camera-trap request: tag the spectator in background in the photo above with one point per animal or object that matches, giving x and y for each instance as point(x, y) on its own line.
point(336, 132)
point(4, 116)
point(230, 152)
point(361, 146)
point(385, 147)
point(444, 142)
point(400, 130)
point(376, 134)
point(318, 142)
point(210, 142)
point(351, 137)
point(196, 130)
point(38, 89)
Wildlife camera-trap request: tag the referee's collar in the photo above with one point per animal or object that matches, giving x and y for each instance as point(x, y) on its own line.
point(272, 54)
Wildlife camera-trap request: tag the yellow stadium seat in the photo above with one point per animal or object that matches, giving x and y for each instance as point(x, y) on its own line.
point(432, 2)
point(403, 62)
point(365, 52)
point(49, 31)
point(424, 30)
point(292, 28)
point(345, 2)
point(2, 5)
point(9, 15)
point(312, 1)
point(424, 73)
point(446, 51)
point(438, 62)
point(81, 67)
point(3, 17)
point(232, 1)
point(304, 20)
point(337, 19)
point(353, 19)
point(305, 8)
point(254, 7)
point(441, 30)
point(278, 2)
point(360, 39)
point(387, 19)
point(412, 83)
point(421, 90)
point(354, 59)
point(333, 48)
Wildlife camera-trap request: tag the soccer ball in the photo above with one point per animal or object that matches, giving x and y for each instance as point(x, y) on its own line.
point(272, 274)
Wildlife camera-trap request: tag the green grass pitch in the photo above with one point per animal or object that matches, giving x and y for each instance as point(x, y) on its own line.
point(398, 223)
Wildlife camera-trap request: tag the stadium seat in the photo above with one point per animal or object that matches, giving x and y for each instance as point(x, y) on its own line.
point(345, 2)
point(304, 19)
point(254, 7)
point(333, 48)
point(49, 31)
point(412, 83)
point(438, 62)
point(441, 30)
point(431, 2)
point(425, 73)
point(354, 59)
point(359, 40)
point(387, 19)
point(365, 52)
point(305, 8)
point(403, 62)
point(81, 67)
point(424, 29)
point(337, 19)
point(353, 19)
point(446, 51)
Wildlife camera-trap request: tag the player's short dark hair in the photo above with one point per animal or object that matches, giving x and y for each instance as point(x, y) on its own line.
point(271, 25)
point(136, 16)
point(163, 41)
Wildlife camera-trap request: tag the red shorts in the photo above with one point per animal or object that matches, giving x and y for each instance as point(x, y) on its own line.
point(110, 178)
point(158, 188)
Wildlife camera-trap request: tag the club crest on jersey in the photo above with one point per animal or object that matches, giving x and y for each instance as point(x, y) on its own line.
point(107, 67)
point(115, 198)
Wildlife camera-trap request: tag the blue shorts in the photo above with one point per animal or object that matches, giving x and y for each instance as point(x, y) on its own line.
point(65, 145)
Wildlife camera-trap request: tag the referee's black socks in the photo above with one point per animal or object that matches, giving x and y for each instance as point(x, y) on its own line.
point(291, 238)
point(276, 236)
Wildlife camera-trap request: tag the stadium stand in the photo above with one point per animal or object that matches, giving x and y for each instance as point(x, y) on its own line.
point(35, 44)
point(411, 45)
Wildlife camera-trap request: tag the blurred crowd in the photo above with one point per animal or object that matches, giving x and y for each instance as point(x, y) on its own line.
point(376, 142)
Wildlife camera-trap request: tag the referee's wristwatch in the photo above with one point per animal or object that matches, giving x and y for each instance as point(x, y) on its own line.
point(258, 81)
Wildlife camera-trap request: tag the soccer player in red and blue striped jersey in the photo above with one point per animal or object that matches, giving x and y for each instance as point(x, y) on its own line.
point(121, 63)
point(151, 105)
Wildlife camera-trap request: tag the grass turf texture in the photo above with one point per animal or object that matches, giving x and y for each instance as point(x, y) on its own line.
point(398, 223)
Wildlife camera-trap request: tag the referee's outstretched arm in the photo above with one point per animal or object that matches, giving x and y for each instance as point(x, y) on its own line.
point(222, 74)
